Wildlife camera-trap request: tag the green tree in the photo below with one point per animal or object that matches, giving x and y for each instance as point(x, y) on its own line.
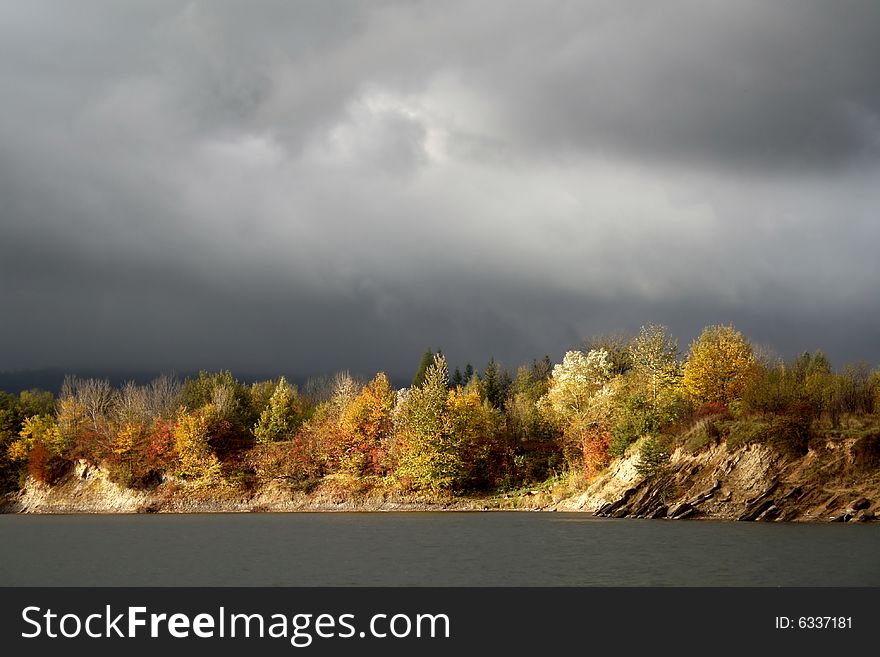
point(229, 398)
point(280, 418)
point(493, 387)
point(424, 364)
point(426, 457)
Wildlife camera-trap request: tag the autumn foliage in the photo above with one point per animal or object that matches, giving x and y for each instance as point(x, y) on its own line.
point(474, 431)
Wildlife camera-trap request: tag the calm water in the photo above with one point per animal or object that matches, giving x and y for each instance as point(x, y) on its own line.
point(429, 549)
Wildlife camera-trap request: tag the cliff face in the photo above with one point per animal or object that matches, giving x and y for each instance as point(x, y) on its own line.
point(87, 489)
point(750, 483)
point(83, 490)
point(832, 482)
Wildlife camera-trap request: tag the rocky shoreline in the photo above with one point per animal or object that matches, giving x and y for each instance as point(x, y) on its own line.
point(752, 483)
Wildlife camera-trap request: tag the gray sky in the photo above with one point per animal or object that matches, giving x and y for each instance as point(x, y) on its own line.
point(313, 186)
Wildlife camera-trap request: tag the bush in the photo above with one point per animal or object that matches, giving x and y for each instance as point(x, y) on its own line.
point(534, 461)
point(866, 453)
point(596, 450)
point(744, 432)
point(654, 454)
point(46, 466)
point(636, 418)
point(790, 435)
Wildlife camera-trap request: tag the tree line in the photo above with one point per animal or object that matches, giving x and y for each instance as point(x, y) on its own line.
point(470, 431)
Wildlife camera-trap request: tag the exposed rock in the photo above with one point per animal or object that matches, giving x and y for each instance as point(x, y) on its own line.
point(770, 513)
point(754, 510)
point(680, 510)
point(863, 516)
point(794, 494)
point(702, 497)
point(659, 512)
point(749, 483)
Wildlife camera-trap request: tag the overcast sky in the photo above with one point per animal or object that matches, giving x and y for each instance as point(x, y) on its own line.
point(305, 187)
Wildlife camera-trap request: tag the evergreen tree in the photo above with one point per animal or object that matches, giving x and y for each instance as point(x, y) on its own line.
point(426, 455)
point(492, 384)
point(424, 364)
point(457, 379)
point(468, 373)
point(279, 419)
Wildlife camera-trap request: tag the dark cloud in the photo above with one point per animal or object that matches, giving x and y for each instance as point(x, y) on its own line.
point(313, 186)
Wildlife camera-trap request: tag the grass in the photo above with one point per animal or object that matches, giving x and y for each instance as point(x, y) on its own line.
point(744, 431)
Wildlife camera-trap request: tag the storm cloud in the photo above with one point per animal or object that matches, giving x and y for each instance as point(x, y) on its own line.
point(308, 187)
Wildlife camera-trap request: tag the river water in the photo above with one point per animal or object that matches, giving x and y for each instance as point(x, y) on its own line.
point(429, 549)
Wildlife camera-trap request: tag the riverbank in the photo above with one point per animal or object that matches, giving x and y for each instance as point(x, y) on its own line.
point(749, 483)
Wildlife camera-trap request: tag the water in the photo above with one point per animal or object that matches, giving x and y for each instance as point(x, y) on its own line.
point(429, 549)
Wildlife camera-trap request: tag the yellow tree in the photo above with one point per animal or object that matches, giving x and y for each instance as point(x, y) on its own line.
point(471, 425)
point(40, 443)
point(366, 427)
point(197, 459)
point(719, 365)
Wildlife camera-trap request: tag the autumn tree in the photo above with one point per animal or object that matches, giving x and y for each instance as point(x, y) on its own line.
point(471, 427)
point(197, 460)
point(574, 382)
point(227, 396)
point(575, 386)
point(532, 434)
point(14, 411)
point(616, 346)
point(366, 426)
point(524, 419)
point(719, 365)
point(41, 444)
point(654, 357)
point(426, 458)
